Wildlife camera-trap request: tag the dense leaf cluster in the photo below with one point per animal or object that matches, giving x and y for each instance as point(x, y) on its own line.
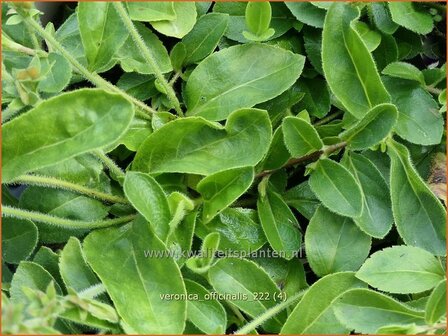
point(237, 167)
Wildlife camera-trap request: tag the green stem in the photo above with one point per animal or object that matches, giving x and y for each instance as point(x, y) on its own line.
point(433, 90)
point(269, 314)
point(52, 182)
point(175, 77)
point(304, 159)
point(93, 291)
point(8, 114)
point(94, 78)
point(9, 44)
point(110, 164)
point(327, 119)
point(63, 222)
point(148, 56)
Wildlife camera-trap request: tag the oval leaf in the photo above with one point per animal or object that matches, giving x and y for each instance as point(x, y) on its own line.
point(204, 37)
point(334, 243)
point(348, 66)
point(279, 224)
point(19, 239)
point(197, 146)
point(436, 306)
point(73, 267)
point(102, 33)
point(117, 257)
point(221, 189)
point(372, 128)
point(206, 314)
point(300, 137)
point(365, 311)
point(402, 269)
point(148, 197)
point(336, 188)
point(184, 21)
point(419, 120)
point(376, 218)
point(80, 121)
point(238, 228)
point(314, 313)
point(243, 278)
point(419, 216)
point(276, 71)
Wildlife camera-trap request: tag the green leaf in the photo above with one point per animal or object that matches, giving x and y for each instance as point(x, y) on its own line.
point(19, 239)
point(49, 260)
point(57, 73)
point(376, 218)
point(336, 188)
point(148, 197)
point(131, 59)
point(317, 97)
point(206, 314)
point(300, 137)
point(64, 204)
point(334, 243)
point(134, 136)
point(406, 15)
point(419, 120)
point(307, 13)
point(139, 86)
point(312, 38)
point(373, 128)
point(117, 257)
point(197, 146)
point(314, 313)
point(221, 189)
point(371, 38)
point(69, 36)
point(276, 71)
point(102, 33)
point(405, 71)
point(151, 11)
point(181, 238)
point(239, 230)
point(258, 18)
point(379, 11)
point(245, 279)
point(365, 311)
point(277, 154)
point(279, 224)
point(30, 275)
point(419, 216)
point(436, 306)
point(302, 199)
point(348, 66)
point(281, 20)
point(202, 40)
point(201, 263)
point(402, 269)
point(74, 269)
point(78, 122)
point(183, 23)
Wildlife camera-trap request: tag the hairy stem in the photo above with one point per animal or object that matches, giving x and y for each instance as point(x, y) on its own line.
point(269, 314)
point(94, 78)
point(52, 182)
point(110, 164)
point(93, 291)
point(148, 56)
point(433, 90)
point(327, 119)
point(305, 159)
point(63, 222)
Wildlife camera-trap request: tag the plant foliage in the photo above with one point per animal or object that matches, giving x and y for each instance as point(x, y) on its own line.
point(228, 167)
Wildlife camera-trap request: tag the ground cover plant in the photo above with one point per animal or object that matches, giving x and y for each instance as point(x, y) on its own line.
point(229, 167)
